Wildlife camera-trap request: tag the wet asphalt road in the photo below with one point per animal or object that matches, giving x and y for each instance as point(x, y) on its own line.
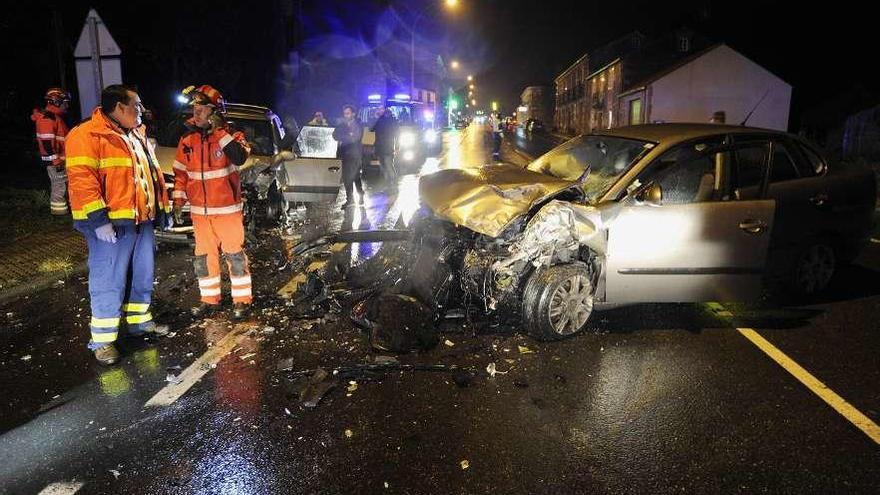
point(654, 399)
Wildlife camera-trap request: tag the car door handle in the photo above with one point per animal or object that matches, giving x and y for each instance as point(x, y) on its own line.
point(333, 169)
point(820, 200)
point(752, 226)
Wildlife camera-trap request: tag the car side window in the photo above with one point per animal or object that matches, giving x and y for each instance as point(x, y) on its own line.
point(811, 164)
point(689, 173)
point(751, 167)
point(782, 167)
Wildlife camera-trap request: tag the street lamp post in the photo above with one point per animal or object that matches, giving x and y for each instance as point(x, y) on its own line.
point(412, 46)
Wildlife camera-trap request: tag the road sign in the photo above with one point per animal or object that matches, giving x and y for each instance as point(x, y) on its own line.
point(98, 62)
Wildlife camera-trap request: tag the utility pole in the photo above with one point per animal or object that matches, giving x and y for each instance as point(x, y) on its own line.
point(60, 52)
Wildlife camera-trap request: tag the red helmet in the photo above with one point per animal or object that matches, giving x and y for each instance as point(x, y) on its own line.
point(205, 95)
point(56, 96)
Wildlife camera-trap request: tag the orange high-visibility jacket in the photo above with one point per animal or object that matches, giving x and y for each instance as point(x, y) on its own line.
point(101, 176)
point(51, 132)
point(206, 171)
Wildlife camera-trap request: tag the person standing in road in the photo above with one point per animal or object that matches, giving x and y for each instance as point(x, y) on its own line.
point(318, 119)
point(206, 174)
point(386, 133)
point(117, 195)
point(497, 134)
point(51, 132)
point(349, 134)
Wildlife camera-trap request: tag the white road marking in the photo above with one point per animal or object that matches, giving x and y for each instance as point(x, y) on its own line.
point(198, 369)
point(62, 488)
point(875, 241)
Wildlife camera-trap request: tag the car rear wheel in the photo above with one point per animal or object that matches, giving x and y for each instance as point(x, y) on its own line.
point(558, 301)
point(813, 269)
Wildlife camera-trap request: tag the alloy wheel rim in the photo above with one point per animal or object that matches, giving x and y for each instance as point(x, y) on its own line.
point(815, 269)
point(571, 304)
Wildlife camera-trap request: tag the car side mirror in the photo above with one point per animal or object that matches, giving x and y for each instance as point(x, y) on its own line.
point(650, 194)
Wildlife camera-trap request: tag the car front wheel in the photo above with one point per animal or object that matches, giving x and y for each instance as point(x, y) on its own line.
point(558, 301)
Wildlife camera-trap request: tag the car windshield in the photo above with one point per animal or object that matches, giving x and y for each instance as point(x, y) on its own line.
point(595, 161)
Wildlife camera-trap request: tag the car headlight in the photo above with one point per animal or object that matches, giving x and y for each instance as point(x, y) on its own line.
point(408, 155)
point(407, 139)
point(430, 136)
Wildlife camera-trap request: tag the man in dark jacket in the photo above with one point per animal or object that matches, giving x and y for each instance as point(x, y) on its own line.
point(386, 132)
point(349, 133)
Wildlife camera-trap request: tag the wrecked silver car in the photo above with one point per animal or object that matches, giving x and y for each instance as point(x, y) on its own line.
point(649, 213)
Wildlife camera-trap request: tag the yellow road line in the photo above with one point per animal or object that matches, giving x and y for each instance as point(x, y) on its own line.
point(830, 397)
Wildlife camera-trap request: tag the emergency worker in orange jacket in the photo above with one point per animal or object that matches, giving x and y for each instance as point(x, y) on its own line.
point(51, 133)
point(117, 196)
point(206, 175)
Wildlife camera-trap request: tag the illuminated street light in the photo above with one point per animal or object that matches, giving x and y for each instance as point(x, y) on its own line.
point(494, 106)
point(451, 3)
point(470, 78)
point(473, 102)
point(472, 86)
point(454, 64)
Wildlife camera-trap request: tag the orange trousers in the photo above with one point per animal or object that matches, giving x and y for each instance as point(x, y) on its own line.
point(216, 233)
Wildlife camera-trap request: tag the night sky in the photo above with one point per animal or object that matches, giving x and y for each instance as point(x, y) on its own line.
point(507, 44)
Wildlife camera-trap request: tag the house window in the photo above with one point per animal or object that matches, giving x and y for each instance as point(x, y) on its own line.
point(684, 43)
point(635, 111)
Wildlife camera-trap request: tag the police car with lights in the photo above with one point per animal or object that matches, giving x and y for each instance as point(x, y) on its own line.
point(417, 138)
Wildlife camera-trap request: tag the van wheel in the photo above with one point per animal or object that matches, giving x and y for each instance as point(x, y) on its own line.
point(558, 301)
point(813, 269)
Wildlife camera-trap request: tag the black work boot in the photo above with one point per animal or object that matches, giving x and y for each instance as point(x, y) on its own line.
point(107, 354)
point(204, 309)
point(239, 311)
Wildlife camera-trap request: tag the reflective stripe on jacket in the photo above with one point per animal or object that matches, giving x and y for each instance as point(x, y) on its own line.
point(101, 175)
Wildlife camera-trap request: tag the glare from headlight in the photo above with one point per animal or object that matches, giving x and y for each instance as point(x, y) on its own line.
point(430, 136)
point(407, 139)
point(408, 155)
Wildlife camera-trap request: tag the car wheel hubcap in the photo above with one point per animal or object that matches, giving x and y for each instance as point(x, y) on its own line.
point(571, 305)
point(815, 269)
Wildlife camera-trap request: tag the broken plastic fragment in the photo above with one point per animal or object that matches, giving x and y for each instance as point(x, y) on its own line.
point(465, 464)
point(348, 434)
point(449, 343)
point(524, 350)
point(26, 357)
point(352, 386)
point(116, 474)
point(492, 370)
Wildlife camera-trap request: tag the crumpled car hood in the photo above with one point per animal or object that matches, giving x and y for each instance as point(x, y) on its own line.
point(488, 198)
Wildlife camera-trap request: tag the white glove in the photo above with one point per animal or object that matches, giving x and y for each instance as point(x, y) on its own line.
point(106, 233)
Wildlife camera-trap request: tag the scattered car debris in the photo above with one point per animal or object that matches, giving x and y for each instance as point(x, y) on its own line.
point(448, 343)
point(316, 388)
point(524, 350)
point(116, 474)
point(26, 357)
point(349, 434)
point(492, 370)
point(465, 464)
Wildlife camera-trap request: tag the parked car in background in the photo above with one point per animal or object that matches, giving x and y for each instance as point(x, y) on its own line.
point(648, 213)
